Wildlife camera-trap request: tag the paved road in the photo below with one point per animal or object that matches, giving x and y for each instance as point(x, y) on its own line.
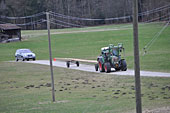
point(90, 68)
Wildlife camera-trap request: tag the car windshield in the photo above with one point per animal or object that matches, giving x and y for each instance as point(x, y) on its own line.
point(25, 51)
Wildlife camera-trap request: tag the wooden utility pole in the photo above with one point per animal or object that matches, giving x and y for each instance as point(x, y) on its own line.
point(136, 57)
point(50, 54)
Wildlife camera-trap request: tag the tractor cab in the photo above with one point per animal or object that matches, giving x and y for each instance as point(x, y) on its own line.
point(105, 53)
point(105, 50)
point(115, 51)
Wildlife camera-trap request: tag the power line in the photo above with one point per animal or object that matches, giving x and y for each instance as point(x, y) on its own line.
point(3, 22)
point(75, 25)
point(32, 23)
point(24, 17)
point(154, 19)
point(69, 25)
point(155, 10)
point(149, 44)
point(117, 18)
point(66, 26)
point(85, 19)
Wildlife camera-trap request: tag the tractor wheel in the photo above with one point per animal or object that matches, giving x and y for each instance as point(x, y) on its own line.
point(123, 65)
point(96, 67)
point(101, 67)
point(77, 63)
point(68, 64)
point(107, 67)
point(117, 69)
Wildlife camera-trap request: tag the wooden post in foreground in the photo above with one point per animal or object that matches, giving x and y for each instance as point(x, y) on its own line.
point(136, 57)
point(50, 54)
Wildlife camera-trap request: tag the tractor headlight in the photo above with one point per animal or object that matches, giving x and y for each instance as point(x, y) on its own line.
point(117, 65)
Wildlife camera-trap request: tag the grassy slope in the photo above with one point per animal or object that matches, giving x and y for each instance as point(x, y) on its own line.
point(87, 45)
point(76, 91)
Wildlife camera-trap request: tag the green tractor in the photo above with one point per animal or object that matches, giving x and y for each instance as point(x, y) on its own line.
point(111, 58)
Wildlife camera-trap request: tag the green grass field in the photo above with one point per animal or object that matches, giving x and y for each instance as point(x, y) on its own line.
point(26, 87)
point(87, 45)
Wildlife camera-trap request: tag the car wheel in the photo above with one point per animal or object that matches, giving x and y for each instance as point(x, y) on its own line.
point(33, 59)
point(23, 59)
point(27, 59)
point(96, 67)
point(16, 59)
point(68, 64)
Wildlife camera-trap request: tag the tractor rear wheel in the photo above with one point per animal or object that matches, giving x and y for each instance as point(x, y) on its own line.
point(123, 65)
point(101, 67)
point(107, 67)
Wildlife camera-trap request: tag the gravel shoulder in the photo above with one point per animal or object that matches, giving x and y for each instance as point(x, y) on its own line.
point(90, 68)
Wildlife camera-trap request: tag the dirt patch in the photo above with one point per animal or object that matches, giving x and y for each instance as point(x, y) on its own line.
point(46, 102)
point(158, 110)
point(62, 101)
point(58, 101)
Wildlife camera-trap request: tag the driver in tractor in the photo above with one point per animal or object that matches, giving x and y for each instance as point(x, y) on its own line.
point(106, 53)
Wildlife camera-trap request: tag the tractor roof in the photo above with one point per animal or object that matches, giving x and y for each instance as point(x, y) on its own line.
point(104, 48)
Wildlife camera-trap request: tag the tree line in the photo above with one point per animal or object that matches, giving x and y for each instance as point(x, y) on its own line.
point(101, 9)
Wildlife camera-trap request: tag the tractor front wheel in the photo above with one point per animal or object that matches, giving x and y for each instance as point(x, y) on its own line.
point(101, 67)
point(123, 65)
point(107, 67)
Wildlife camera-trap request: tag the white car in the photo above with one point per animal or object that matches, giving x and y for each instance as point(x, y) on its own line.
point(24, 54)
